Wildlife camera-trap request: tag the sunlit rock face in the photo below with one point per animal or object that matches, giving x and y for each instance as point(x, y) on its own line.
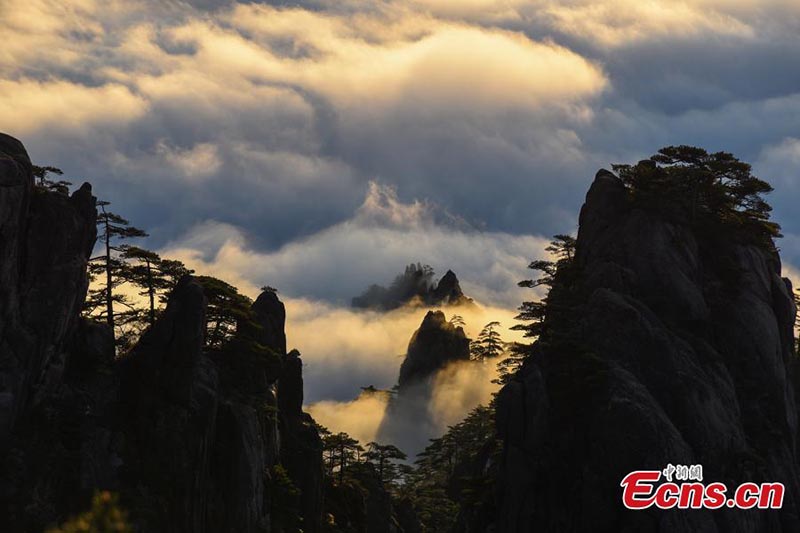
point(686, 358)
point(408, 423)
point(188, 437)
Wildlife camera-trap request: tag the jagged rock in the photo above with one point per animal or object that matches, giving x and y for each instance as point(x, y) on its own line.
point(188, 438)
point(270, 315)
point(208, 443)
point(45, 241)
point(301, 445)
point(437, 343)
point(414, 287)
point(684, 356)
point(448, 292)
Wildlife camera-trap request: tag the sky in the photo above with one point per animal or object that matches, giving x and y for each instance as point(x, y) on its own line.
point(318, 147)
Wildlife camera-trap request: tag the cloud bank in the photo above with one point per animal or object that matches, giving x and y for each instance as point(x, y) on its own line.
point(320, 146)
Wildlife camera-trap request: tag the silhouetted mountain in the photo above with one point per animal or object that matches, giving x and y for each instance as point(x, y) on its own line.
point(193, 440)
point(666, 343)
point(414, 285)
point(437, 343)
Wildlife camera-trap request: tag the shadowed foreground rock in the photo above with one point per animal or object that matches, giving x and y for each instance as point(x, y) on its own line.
point(190, 439)
point(685, 357)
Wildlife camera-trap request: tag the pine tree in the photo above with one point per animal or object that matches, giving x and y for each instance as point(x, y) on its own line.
point(113, 229)
point(457, 321)
point(383, 457)
point(489, 343)
point(341, 450)
point(43, 181)
point(534, 313)
point(226, 312)
point(706, 188)
point(154, 275)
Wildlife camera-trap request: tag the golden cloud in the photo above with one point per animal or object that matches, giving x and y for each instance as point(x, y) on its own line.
point(29, 105)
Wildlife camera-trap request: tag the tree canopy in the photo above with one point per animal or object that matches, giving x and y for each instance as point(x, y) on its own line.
point(489, 343)
point(534, 314)
point(704, 187)
point(42, 179)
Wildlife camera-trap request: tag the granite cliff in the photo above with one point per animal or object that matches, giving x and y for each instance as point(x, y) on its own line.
point(194, 441)
point(675, 345)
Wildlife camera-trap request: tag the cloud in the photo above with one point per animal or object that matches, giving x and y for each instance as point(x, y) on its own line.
point(344, 349)
point(781, 161)
point(336, 369)
point(197, 162)
point(359, 418)
point(320, 146)
point(268, 111)
point(375, 244)
point(27, 106)
point(617, 23)
point(459, 388)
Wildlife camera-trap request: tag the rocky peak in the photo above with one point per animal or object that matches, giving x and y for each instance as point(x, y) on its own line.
point(436, 343)
point(415, 286)
point(681, 352)
point(45, 242)
point(407, 422)
point(188, 438)
point(448, 291)
point(270, 315)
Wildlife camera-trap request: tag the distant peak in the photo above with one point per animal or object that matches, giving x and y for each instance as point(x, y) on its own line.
point(414, 286)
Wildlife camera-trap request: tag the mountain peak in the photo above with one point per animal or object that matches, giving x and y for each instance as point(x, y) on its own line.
point(414, 286)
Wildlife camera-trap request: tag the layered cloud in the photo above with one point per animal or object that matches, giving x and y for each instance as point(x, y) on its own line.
point(287, 143)
point(383, 235)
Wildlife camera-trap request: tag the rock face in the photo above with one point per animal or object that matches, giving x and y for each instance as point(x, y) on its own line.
point(45, 241)
point(686, 357)
point(198, 451)
point(414, 286)
point(448, 291)
point(191, 439)
point(46, 440)
point(437, 343)
point(301, 445)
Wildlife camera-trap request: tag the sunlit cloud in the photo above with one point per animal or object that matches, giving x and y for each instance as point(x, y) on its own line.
point(28, 105)
point(381, 238)
point(319, 148)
